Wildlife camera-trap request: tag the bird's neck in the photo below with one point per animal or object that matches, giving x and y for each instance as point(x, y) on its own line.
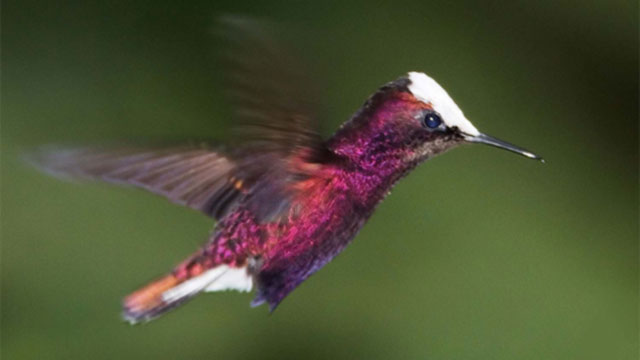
point(370, 162)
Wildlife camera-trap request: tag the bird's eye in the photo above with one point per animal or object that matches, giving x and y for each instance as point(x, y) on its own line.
point(432, 120)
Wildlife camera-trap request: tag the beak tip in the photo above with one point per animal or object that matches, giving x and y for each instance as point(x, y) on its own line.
point(534, 157)
point(489, 140)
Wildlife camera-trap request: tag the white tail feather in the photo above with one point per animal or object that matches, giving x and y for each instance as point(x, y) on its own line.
point(219, 278)
point(232, 279)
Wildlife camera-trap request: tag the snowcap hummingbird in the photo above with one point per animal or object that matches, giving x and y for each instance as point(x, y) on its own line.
point(285, 200)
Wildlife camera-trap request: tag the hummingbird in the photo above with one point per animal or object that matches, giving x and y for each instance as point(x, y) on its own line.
point(285, 200)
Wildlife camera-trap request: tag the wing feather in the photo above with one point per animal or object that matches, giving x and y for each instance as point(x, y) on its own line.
point(191, 176)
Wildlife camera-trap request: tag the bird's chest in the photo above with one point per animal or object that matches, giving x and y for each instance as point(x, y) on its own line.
point(320, 225)
point(315, 227)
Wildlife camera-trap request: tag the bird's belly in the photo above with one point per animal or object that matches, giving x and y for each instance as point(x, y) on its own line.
point(305, 244)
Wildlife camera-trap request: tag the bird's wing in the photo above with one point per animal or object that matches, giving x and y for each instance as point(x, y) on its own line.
point(273, 97)
point(194, 176)
point(275, 128)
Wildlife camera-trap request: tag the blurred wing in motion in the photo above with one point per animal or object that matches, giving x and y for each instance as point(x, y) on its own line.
point(197, 177)
point(275, 130)
point(273, 98)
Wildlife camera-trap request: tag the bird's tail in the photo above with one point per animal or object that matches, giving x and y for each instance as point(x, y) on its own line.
point(189, 279)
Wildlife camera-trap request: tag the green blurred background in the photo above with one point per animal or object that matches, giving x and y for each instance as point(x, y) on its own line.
point(478, 254)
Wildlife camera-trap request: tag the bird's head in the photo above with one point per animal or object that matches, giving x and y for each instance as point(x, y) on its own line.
point(407, 121)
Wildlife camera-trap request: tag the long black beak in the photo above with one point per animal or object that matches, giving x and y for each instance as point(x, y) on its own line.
point(489, 140)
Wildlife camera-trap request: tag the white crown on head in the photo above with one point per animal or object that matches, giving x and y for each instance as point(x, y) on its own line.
point(429, 91)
